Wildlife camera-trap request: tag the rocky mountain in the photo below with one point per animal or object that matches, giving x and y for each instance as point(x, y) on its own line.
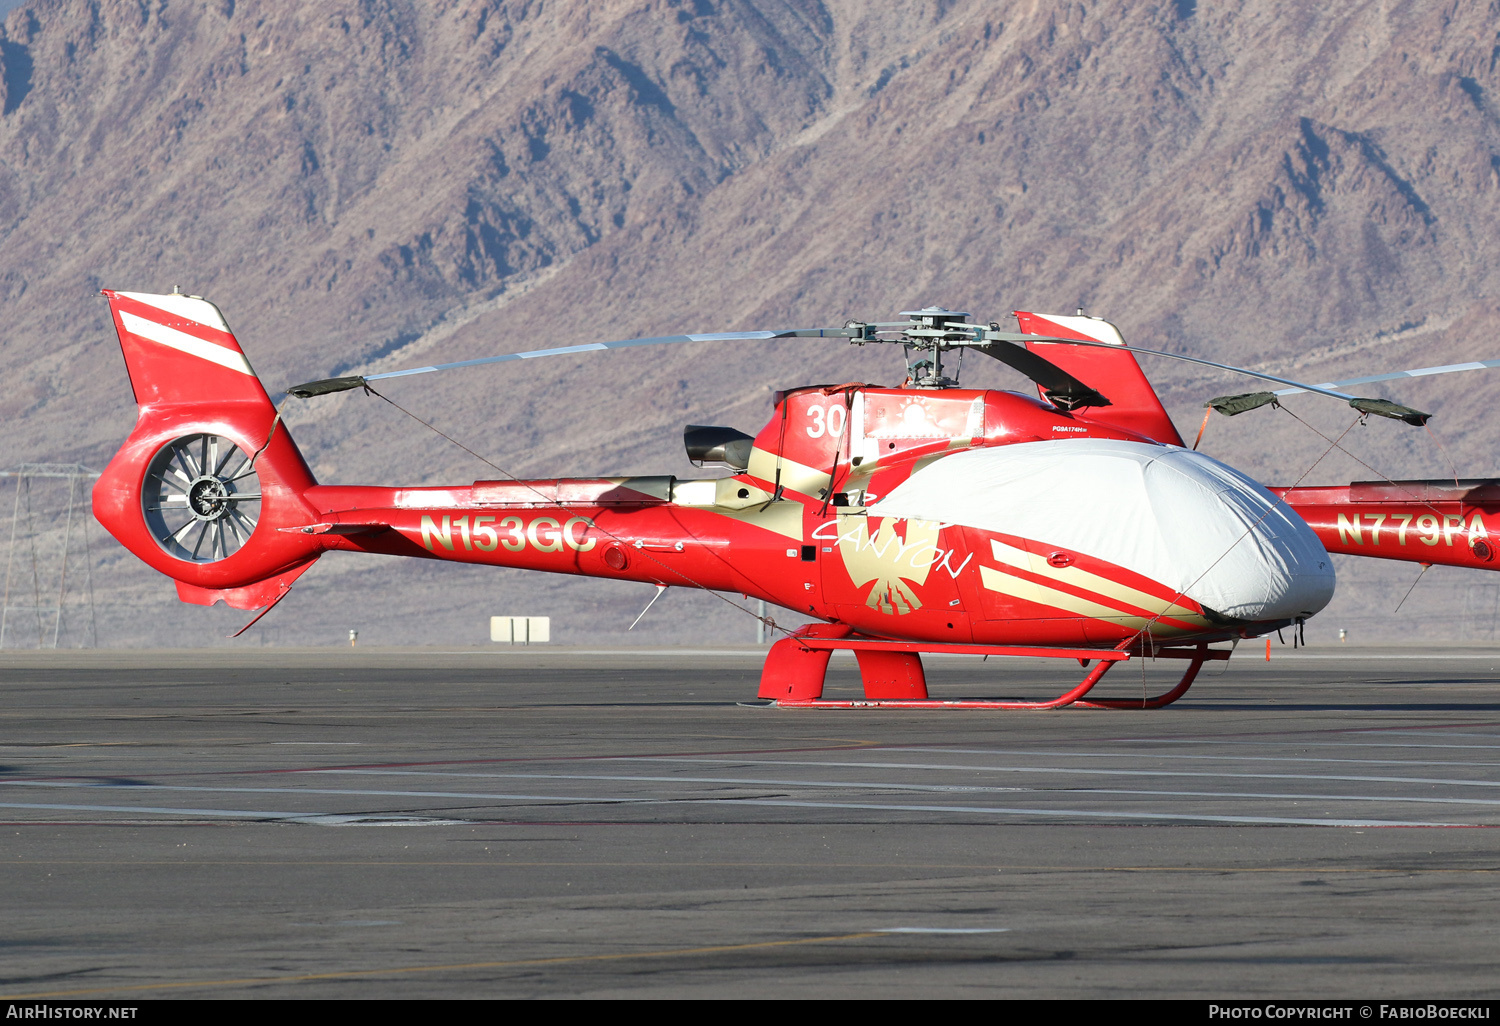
point(371, 184)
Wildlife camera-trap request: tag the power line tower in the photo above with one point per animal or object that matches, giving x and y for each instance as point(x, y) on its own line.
point(44, 556)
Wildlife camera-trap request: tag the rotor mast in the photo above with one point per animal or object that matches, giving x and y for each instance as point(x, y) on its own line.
point(933, 330)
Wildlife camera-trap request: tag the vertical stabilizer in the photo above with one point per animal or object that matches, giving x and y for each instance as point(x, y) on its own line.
point(206, 486)
point(179, 349)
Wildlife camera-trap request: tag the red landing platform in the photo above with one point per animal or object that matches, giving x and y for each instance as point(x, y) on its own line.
point(891, 672)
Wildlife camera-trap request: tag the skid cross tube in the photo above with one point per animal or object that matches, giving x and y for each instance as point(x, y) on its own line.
point(892, 675)
point(1199, 656)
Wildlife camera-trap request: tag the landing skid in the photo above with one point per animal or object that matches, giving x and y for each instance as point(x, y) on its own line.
point(892, 674)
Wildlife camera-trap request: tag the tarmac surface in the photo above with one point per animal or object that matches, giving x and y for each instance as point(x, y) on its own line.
point(564, 823)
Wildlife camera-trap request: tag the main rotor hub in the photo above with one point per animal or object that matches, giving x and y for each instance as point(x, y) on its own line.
point(208, 498)
point(935, 317)
point(932, 330)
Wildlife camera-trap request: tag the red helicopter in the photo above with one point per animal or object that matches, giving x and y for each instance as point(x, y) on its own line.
point(924, 518)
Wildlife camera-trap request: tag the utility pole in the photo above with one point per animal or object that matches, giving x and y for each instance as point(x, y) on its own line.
point(73, 473)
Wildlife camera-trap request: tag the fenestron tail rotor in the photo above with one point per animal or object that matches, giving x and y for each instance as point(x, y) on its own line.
point(201, 498)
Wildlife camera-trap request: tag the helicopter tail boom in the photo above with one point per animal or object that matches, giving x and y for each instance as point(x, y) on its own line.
point(1447, 522)
point(204, 485)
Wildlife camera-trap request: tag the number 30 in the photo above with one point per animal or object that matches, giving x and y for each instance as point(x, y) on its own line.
point(826, 420)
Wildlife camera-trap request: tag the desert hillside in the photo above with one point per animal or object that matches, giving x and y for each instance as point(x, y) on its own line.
point(1306, 188)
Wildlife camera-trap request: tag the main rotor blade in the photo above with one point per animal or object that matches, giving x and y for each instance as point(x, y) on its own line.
point(1379, 407)
point(590, 347)
point(1297, 385)
point(1420, 372)
point(1062, 388)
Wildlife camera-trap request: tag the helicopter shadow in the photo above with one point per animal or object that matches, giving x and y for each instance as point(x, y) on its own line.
point(1351, 706)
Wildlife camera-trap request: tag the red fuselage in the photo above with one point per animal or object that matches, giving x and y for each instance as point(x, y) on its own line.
point(804, 526)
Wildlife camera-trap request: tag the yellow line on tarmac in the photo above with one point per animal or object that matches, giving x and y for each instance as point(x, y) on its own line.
point(357, 973)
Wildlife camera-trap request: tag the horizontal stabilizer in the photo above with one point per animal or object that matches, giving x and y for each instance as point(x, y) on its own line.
point(251, 596)
point(1481, 491)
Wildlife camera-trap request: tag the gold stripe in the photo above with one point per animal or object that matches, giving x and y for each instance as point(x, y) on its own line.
point(783, 517)
point(794, 475)
point(1030, 591)
point(1081, 578)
